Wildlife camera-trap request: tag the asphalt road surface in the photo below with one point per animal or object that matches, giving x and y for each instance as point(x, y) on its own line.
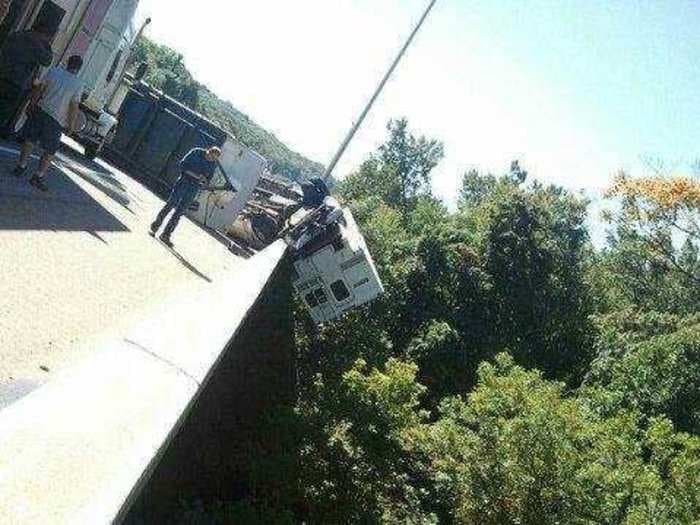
point(78, 266)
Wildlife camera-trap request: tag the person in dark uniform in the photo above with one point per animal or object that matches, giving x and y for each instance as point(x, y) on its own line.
point(20, 58)
point(196, 171)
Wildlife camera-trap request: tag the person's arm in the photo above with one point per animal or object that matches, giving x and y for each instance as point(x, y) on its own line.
point(187, 163)
point(227, 186)
point(73, 111)
point(11, 43)
point(38, 90)
point(4, 9)
point(45, 57)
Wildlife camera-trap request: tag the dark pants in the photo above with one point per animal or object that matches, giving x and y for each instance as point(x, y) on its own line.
point(42, 129)
point(182, 196)
point(11, 99)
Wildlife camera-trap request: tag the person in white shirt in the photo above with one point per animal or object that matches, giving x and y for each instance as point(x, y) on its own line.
point(53, 109)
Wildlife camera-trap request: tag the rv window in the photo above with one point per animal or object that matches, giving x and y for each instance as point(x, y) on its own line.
point(321, 296)
point(361, 283)
point(311, 300)
point(113, 69)
point(340, 291)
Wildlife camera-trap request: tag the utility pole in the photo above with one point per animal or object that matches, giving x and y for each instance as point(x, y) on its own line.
point(359, 121)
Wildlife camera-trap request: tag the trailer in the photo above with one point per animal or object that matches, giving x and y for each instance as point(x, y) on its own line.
point(333, 268)
point(155, 132)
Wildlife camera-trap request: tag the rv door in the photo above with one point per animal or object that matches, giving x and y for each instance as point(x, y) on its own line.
point(242, 168)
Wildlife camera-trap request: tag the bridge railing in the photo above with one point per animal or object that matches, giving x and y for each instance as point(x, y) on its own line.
point(83, 448)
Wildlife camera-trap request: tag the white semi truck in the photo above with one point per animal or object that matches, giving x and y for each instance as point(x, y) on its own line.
point(103, 33)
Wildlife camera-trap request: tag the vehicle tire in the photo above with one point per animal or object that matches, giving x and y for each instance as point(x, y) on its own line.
point(90, 151)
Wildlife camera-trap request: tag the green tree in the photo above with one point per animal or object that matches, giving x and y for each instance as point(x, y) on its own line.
point(400, 171)
point(476, 188)
point(518, 452)
point(445, 364)
point(358, 462)
point(412, 159)
point(532, 242)
point(650, 363)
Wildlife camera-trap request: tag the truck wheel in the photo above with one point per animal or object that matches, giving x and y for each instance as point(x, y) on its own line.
point(90, 151)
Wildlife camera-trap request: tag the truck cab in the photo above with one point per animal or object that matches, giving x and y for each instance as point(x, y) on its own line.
point(100, 31)
point(104, 40)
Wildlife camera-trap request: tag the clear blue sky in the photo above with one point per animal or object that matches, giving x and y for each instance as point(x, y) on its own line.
point(628, 71)
point(575, 89)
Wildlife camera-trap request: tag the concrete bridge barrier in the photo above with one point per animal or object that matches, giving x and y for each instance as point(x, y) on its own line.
point(155, 416)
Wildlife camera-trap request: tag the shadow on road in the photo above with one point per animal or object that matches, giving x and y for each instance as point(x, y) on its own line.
point(97, 175)
point(97, 236)
point(186, 263)
point(66, 207)
point(15, 390)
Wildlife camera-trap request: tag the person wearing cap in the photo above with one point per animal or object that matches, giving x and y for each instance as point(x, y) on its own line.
point(196, 171)
point(21, 56)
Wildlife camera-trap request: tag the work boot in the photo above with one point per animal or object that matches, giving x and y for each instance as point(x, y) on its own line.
point(38, 183)
point(166, 240)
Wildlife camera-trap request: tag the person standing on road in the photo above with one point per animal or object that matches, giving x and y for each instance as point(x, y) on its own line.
point(54, 108)
point(196, 171)
point(20, 58)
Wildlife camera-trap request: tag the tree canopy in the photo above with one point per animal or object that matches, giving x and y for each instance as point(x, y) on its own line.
point(512, 373)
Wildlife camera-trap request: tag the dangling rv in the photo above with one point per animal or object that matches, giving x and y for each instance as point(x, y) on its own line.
point(333, 268)
point(100, 31)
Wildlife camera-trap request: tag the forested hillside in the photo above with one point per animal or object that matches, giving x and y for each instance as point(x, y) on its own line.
point(168, 73)
point(511, 374)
